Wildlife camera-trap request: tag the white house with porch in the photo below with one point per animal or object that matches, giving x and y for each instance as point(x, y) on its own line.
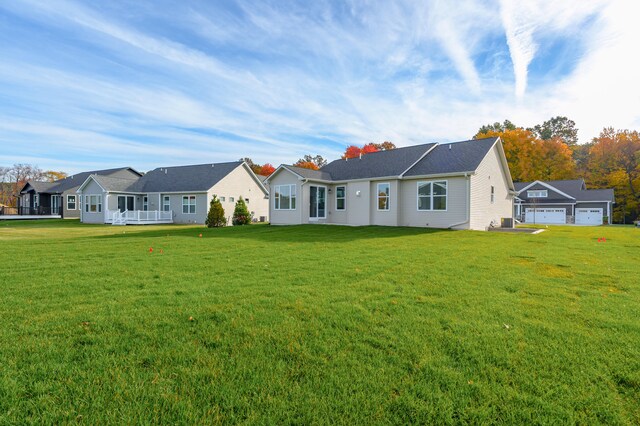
point(172, 195)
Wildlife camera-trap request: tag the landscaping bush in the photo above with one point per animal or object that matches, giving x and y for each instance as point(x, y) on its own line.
point(241, 215)
point(215, 217)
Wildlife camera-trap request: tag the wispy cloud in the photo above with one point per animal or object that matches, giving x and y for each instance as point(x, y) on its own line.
point(82, 83)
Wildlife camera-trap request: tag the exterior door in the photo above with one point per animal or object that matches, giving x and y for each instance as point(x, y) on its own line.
point(55, 204)
point(546, 216)
point(125, 202)
point(588, 216)
point(317, 202)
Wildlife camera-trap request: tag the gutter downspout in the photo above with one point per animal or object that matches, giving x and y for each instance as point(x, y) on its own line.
point(468, 195)
point(301, 197)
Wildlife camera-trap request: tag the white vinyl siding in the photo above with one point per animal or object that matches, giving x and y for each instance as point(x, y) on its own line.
point(189, 204)
point(284, 197)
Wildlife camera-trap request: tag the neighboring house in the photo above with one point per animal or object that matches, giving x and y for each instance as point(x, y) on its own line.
point(59, 198)
point(462, 185)
point(562, 201)
point(173, 194)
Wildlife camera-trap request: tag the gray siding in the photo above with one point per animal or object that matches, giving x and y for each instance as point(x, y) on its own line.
point(92, 188)
point(66, 213)
point(384, 217)
point(490, 172)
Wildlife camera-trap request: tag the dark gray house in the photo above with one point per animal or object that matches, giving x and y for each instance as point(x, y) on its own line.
point(562, 202)
point(59, 198)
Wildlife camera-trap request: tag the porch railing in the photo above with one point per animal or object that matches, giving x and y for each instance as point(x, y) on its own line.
point(117, 217)
point(30, 211)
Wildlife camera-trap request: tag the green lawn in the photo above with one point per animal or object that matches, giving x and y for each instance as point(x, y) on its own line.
point(317, 325)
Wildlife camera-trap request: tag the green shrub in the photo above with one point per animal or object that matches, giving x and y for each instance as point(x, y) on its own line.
point(241, 215)
point(215, 217)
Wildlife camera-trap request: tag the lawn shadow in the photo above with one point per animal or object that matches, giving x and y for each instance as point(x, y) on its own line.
point(270, 234)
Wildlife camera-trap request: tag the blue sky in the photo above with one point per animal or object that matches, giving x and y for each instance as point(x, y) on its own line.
point(86, 85)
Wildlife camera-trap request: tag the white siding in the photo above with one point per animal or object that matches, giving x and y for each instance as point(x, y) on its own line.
point(239, 183)
point(384, 217)
point(490, 172)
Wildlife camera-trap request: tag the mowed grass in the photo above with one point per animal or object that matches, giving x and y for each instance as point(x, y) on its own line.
point(318, 325)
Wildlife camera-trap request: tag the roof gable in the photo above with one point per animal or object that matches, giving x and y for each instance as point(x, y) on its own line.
point(195, 178)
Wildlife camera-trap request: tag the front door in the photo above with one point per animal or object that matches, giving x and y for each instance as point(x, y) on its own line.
point(318, 201)
point(125, 202)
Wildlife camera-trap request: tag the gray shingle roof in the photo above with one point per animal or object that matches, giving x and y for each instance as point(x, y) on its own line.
point(310, 174)
point(453, 157)
point(574, 188)
point(194, 178)
point(41, 186)
point(78, 179)
point(376, 164)
point(115, 184)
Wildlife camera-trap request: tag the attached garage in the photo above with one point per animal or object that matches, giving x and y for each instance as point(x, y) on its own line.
point(553, 216)
point(589, 216)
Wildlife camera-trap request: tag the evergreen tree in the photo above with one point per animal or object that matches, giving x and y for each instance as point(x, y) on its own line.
point(215, 217)
point(241, 215)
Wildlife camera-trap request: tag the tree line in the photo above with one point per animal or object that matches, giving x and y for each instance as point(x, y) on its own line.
point(550, 151)
point(13, 178)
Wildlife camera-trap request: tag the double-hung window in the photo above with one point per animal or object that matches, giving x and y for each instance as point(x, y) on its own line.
point(145, 203)
point(71, 202)
point(341, 197)
point(93, 203)
point(166, 203)
point(284, 197)
point(384, 194)
point(189, 204)
point(432, 195)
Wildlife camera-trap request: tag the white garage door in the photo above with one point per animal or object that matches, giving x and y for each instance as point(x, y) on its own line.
point(550, 216)
point(588, 216)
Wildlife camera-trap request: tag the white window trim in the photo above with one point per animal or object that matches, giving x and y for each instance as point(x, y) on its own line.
point(446, 196)
point(88, 201)
point(188, 205)
point(145, 203)
point(378, 196)
point(166, 202)
point(341, 198)
point(541, 191)
point(75, 202)
point(293, 194)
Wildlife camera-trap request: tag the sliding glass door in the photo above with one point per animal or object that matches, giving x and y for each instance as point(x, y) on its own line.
point(125, 202)
point(318, 201)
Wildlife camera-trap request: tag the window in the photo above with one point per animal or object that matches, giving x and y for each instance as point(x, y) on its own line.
point(145, 203)
point(432, 195)
point(341, 197)
point(246, 200)
point(538, 193)
point(93, 203)
point(71, 202)
point(189, 204)
point(166, 203)
point(222, 199)
point(284, 197)
point(231, 199)
point(36, 200)
point(493, 194)
point(383, 196)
